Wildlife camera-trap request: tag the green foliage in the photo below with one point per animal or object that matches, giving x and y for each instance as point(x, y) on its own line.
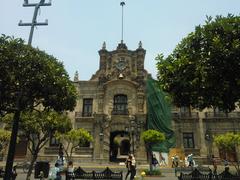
point(76, 136)
point(4, 139)
point(153, 172)
point(73, 139)
point(37, 127)
point(152, 136)
point(227, 141)
point(33, 77)
point(44, 123)
point(203, 70)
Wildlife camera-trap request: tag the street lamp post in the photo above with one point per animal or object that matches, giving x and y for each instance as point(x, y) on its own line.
point(132, 133)
point(208, 138)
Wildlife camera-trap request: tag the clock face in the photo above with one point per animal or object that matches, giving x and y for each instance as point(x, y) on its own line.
point(121, 64)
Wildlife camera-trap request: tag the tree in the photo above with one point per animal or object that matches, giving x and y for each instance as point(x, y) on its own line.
point(151, 137)
point(228, 142)
point(37, 127)
point(204, 70)
point(29, 78)
point(73, 139)
point(4, 139)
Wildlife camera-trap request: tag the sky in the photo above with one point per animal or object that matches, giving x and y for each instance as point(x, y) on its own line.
point(77, 28)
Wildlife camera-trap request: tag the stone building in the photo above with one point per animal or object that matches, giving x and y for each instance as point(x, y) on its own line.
point(112, 107)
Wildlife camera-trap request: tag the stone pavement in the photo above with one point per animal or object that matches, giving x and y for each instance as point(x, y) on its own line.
point(167, 173)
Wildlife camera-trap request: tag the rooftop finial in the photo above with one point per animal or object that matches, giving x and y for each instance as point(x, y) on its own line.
point(122, 4)
point(76, 77)
point(104, 45)
point(140, 45)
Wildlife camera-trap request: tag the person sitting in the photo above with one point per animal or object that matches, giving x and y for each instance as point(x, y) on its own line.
point(54, 173)
point(70, 170)
point(190, 160)
point(175, 161)
point(226, 164)
point(61, 162)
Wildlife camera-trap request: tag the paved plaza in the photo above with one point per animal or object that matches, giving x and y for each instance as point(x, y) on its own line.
point(167, 172)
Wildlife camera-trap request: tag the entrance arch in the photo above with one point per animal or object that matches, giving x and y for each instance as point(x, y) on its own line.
point(119, 146)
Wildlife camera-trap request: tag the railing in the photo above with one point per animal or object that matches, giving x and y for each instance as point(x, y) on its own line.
point(120, 112)
point(185, 114)
point(79, 173)
point(83, 114)
point(197, 175)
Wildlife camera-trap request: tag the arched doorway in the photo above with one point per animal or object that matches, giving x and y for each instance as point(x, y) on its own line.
point(119, 146)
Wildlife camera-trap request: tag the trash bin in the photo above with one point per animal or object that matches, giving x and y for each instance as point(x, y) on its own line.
point(41, 166)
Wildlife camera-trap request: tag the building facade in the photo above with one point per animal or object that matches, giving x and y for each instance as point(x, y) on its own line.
point(112, 107)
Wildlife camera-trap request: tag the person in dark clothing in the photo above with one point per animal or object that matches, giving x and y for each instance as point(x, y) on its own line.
point(214, 163)
point(154, 161)
point(128, 166)
point(131, 167)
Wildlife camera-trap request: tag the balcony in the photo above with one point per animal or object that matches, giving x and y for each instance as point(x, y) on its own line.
point(120, 112)
point(83, 114)
point(185, 115)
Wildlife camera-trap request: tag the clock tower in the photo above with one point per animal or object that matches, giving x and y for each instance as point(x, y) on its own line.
point(112, 105)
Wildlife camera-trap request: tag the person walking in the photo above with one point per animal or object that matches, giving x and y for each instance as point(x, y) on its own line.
point(128, 163)
point(162, 160)
point(133, 167)
point(154, 161)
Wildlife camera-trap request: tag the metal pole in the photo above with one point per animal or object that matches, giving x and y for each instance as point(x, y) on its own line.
point(122, 4)
point(34, 19)
point(133, 142)
point(33, 24)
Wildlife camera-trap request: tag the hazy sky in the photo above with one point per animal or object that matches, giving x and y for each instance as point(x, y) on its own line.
point(77, 28)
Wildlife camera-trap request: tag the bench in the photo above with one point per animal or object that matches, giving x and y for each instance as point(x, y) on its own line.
point(197, 175)
point(79, 173)
point(190, 169)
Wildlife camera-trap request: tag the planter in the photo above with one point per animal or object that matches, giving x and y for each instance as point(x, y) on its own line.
point(153, 177)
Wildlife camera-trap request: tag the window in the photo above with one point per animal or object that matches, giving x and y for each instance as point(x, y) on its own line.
point(87, 107)
point(188, 140)
point(53, 141)
point(185, 111)
point(120, 104)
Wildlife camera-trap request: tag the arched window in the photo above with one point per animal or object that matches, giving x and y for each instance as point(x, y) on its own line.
point(120, 105)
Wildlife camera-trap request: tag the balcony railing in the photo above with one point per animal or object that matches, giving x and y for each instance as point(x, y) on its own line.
point(120, 112)
point(185, 114)
point(83, 114)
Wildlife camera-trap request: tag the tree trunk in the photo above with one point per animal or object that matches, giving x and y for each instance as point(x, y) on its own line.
point(12, 146)
point(29, 173)
point(149, 154)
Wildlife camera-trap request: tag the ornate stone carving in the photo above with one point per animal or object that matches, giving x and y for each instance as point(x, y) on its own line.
point(140, 103)
point(104, 46)
point(76, 77)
